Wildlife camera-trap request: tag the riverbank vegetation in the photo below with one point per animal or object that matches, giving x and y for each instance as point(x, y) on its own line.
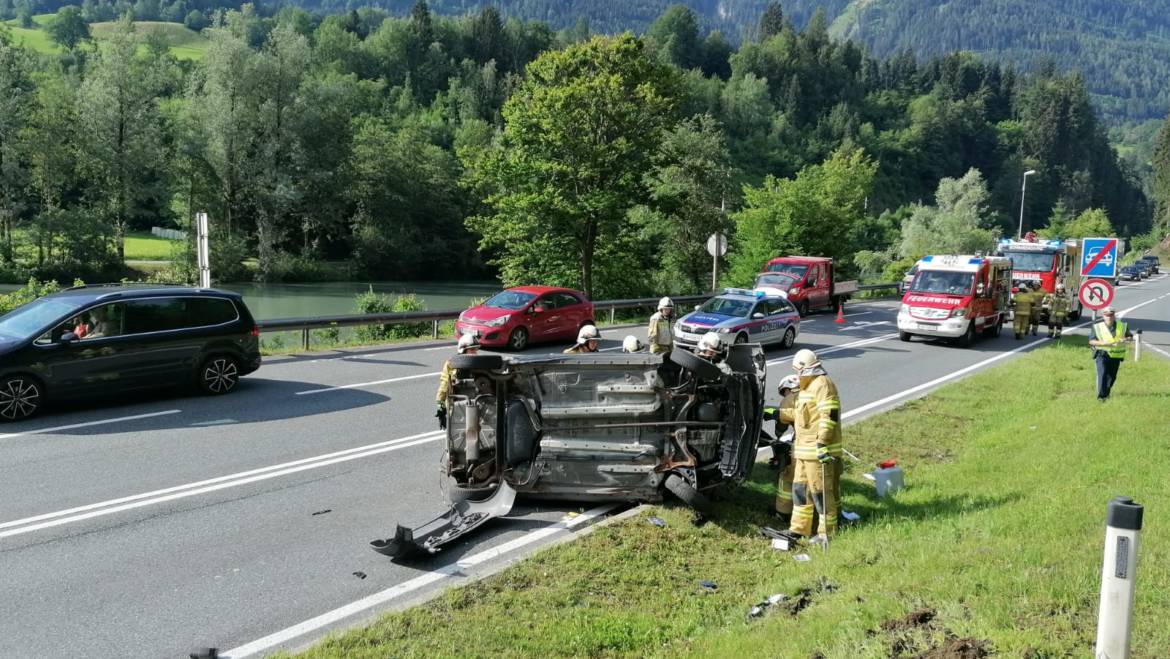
point(427, 146)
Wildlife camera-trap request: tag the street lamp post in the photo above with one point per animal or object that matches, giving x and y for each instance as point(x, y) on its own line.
point(1023, 192)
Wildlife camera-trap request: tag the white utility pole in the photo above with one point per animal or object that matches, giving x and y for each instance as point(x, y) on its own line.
point(203, 250)
point(1023, 192)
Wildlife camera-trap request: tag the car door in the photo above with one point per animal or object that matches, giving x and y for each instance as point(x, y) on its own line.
point(819, 281)
point(777, 320)
point(572, 314)
point(165, 328)
point(102, 361)
point(544, 318)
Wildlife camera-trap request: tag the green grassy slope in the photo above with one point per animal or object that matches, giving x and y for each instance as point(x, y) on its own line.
point(184, 43)
point(997, 540)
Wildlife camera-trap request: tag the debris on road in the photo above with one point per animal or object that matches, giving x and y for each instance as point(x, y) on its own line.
point(656, 521)
point(205, 653)
point(359, 574)
point(322, 512)
point(708, 586)
point(802, 558)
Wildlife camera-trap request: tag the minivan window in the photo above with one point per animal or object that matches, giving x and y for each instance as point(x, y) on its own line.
point(171, 313)
point(23, 321)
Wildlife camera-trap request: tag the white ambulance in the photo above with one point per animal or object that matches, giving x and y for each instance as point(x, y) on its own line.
point(957, 297)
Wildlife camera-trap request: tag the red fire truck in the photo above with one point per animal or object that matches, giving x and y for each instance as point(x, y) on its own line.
point(1047, 263)
point(957, 297)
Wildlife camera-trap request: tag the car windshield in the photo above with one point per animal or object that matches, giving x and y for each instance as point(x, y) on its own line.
point(775, 280)
point(727, 307)
point(25, 321)
point(794, 270)
point(1031, 261)
point(938, 281)
point(509, 300)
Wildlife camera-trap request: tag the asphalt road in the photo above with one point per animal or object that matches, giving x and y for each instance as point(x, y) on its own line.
point(155, 526)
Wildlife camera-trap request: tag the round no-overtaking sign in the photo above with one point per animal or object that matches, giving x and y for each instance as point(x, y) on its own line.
point(1096, 294)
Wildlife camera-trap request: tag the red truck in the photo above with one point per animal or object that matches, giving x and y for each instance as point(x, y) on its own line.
point(809, 282)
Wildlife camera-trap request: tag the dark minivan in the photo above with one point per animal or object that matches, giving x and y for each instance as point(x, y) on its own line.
point(91, 341)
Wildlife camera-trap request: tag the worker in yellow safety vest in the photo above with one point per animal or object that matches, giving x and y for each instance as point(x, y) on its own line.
point(659, 333)
point(817, 450)
point(1057, 311)
point(1022, 314)
point(468, 345)
point(1037, 307)
point(1108, 341)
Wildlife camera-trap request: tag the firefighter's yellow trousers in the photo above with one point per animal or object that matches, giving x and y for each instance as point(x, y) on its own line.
point(813, 497)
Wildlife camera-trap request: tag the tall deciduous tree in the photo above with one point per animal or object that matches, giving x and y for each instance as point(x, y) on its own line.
point(16, 90)
point(813, 214)
point(959, 223)
point(122, 142)
point(1161, 179)
point(68, 27)
point(1092, 223)
point(578, 138)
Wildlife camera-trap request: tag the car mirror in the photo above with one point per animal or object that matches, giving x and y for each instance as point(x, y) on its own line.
point(67, 338)
point(758, 314)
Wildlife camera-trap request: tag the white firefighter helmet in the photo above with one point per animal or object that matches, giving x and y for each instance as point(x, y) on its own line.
point(788, 382)
point(710, 342)
point(805, 358)
point(468, 342)
point(631, 344)
point(1060, 287)
point(587, 333)
point(665, 303)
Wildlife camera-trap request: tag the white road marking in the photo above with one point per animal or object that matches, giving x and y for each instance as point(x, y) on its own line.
point(88, 424)
point(395, 592)
point(1156, 349)
point(864, 324)
point(80, 513)
point(844, 346)
point(367, 384)
point(854, 315)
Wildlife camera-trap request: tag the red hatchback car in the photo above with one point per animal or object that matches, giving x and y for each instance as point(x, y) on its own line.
point(527, 314)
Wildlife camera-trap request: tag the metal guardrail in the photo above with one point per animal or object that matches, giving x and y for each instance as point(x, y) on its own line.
point(307, 323)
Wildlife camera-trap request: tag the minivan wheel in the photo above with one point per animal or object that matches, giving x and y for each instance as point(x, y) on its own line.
point(20, 397)
point(518, 339)
point(218, 375)
point(679, 487)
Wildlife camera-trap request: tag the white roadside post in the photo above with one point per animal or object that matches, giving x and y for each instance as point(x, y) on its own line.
point(1137, 345)
point(1123, 525)
point(203, 250)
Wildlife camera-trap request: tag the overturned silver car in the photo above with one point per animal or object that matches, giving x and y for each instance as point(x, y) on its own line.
point(591, 427)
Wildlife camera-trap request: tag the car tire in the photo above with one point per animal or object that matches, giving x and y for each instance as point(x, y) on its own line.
point(477, 362)
point(968, 337)
point(993, 331)
point(21, 397)
point(679, 487)
point(789, 338)
point(218, 375)
point(702, 368)
point(741, 338)
point(802, 308)
point(518, 339)
point(904, 336)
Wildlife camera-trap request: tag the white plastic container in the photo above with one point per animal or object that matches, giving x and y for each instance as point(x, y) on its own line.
point(887, 478)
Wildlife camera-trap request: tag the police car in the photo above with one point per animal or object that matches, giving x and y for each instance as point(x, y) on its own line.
point(741, 316)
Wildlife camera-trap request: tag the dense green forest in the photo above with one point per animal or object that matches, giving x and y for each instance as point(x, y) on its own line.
point(428, 146)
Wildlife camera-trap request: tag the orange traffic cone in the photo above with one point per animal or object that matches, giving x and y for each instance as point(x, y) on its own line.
point(840, 313)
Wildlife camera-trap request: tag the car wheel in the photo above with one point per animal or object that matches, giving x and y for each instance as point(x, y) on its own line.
point(20, 397)
point(679, 487)
point(477, 362)
point(802, 308)
point(218, 375)
point(702, 368)
point(992, 331)
point(904, 336)
point(969, 336)
point(741, 338)
point(789, 338)
point(518, 339)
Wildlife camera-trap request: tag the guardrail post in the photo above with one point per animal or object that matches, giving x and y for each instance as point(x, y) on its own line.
point(305, 338)
point(612, 312)
point(1137, 346)
point(1123, 525)
point(434, 329)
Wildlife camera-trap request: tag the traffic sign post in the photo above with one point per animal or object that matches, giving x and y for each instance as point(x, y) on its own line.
point(1099, 258)
point(716, 247)
point(1096, 294)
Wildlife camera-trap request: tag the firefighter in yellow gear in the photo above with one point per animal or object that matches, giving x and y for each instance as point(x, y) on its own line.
point(468, 345)
point(1057, 311)
point(587, 341)
point(817, 450)
point(1023, 311)
point(784, 415)
point(659, 333)
point(1037, 307)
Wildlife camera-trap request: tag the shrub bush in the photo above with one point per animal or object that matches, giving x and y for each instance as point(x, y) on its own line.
point(371, 302)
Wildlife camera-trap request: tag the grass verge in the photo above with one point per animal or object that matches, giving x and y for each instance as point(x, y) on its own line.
point(144, 246)
point(995, 546)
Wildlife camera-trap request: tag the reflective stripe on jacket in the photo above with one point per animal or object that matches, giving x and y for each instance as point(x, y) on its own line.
point(817, 419)
point(1101, 333)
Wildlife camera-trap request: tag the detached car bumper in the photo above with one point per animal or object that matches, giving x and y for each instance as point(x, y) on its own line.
point(951, 328)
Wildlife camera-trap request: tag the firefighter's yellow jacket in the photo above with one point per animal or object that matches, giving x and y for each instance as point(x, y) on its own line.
point(817, 418)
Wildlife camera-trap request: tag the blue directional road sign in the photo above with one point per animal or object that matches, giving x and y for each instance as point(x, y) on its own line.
point(1099, 258)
